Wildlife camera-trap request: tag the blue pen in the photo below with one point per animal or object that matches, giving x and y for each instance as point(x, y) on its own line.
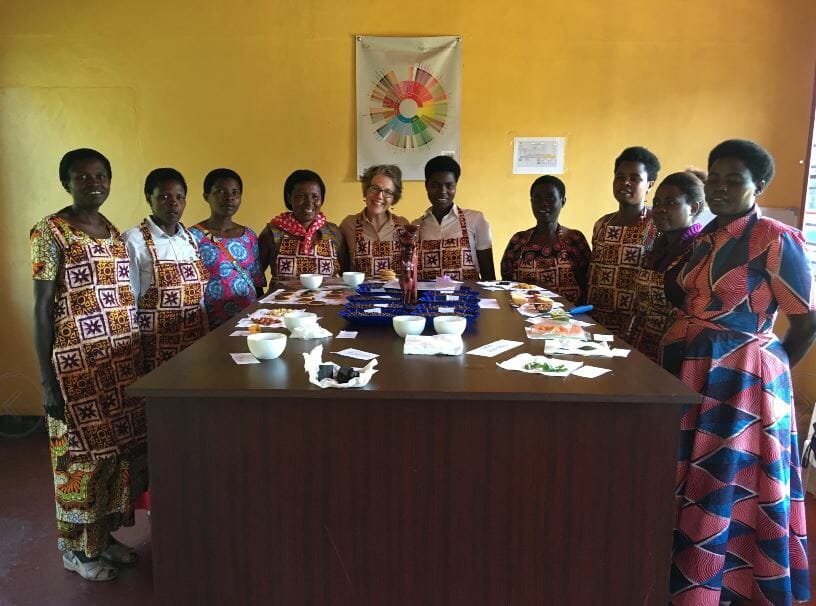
point(580, 310)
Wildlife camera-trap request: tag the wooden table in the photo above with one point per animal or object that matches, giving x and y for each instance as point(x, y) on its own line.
point(446, 481)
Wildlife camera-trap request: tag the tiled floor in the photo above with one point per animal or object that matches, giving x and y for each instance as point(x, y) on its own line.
point(31, 572)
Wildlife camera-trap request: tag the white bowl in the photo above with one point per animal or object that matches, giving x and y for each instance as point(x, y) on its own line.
point(408, 325)
point(450, 325)
point(353, 278)
point(266, 345)
point(293, 319)
point(311, 280)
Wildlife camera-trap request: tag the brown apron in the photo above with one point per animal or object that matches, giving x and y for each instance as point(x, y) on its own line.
point(451, 257)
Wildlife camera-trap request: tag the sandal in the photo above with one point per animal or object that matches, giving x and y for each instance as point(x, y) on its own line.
point(95, 570)
point(120, 554)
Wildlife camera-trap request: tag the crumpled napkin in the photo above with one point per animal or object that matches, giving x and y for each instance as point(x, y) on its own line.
point(518, 362)
point(431, 345)
point(313, 360)
point(310, 331)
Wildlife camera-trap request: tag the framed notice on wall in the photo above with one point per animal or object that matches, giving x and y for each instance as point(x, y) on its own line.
point(538, 155)
point(408, 101)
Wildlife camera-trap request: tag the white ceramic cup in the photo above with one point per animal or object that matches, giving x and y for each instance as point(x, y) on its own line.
point(311, 280)
point(353, 278)
point(408, 325)
point(266, 345)
point(450, 325)
point(293, 319)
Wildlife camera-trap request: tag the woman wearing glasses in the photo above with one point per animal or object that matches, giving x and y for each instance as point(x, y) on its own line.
point(371, 235)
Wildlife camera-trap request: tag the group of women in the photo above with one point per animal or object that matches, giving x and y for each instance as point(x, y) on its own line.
point(702, 300)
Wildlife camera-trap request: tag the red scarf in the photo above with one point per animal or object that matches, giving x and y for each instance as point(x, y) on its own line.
point(289, 224)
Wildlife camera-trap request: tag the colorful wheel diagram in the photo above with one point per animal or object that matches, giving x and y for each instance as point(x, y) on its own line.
point(409, 113)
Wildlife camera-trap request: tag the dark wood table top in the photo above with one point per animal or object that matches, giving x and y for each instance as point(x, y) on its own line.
point(206, 368)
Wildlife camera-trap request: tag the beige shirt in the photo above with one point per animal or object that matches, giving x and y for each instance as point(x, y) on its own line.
point(348, 228)
point(478, 229)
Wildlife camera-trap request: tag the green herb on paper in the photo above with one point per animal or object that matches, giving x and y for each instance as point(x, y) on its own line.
point(545, 367)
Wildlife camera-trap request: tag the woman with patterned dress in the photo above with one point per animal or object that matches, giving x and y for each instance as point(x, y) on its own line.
point(371, 236)
point(549, 254)
point(678, 201)
point(740, 529)
point(229, 250)
point(620, 239)
point(88, 348)
point(166, 272)
point(453, 241)
point(302, 241)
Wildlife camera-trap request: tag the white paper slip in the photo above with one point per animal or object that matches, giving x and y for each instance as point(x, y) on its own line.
point(489, 304)
point(590, 372)
point(447, 310)
point(620, 353)
point(240, 333)
point(567, 347)
point(373, 310)
point(381, 304)
point(581, 323)
point(244, 358)
point(600, 337)
point(451, 298)
point(346, 334)
point(495, 348)
point(243, 323)
point(493, 288)
point(359, 354)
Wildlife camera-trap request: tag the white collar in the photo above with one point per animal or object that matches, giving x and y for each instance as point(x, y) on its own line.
point(158, 232)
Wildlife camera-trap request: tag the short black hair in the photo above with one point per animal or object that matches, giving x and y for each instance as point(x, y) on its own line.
point(302, 175)
point(691, 182)
point(442, 164)
point(159, 175)
point(549, 180)
point(221, 173)
point(642, 155)
point(755, 157)
point(74, 156)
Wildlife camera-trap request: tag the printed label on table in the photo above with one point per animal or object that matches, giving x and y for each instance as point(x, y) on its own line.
point(451, 298)
point(489, 304)
point(373, 310)
point(495, 348)
point(600, 337)
point(346, 334)
point(446, 310)
point(359, 354)
point(244, 358)
point(590, 372)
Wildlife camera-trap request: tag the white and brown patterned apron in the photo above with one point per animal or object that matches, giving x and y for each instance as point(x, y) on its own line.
point(370, 256)
point(291, 261)
point(448, 256)
point(97, 351)
point(555, 271)
point(171, 314)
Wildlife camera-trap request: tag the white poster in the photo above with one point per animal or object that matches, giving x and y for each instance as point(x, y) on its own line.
point(538, 155)
point(408, 101)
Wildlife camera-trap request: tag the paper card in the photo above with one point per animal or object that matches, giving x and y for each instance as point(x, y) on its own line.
point(600, 337)
point(346, 334)
point(240, 333)
point(495, 348)
point(493, 288)
point(447, 310)
point(620, 353)
point(243, 323)
point(590, 372)
point(359, 354)
point(446, 291)
point(377, 290)
point(373, 310)
point(244, 358)
point(451, 298)
point(489, 304)
point(381, 304)
point(581, 323)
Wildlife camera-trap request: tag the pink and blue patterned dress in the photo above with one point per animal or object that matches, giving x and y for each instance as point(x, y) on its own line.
point(234, 269)
point(740, 529)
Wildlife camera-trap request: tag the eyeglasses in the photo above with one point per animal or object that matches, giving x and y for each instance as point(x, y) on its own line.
point(376, 191)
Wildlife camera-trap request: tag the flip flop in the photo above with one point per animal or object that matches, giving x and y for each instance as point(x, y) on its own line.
point(95, 570)
point(120, 554)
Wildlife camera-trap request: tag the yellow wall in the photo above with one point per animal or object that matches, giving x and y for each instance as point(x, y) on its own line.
point(268, 86)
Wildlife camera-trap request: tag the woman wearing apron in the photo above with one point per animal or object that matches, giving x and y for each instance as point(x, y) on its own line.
point(619, 240)
point(371, 235)
point(677, 202)
point(453, 241)
point(302, 240)
point(166, 272)
point(549, 254)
